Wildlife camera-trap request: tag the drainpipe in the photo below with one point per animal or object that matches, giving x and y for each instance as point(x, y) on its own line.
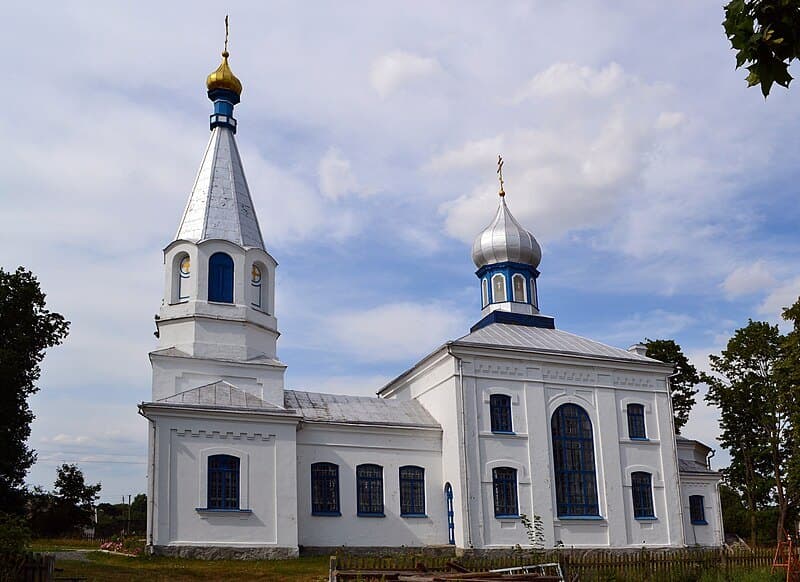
point(464, 448)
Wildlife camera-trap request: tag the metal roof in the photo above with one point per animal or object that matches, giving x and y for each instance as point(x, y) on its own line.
point(319, 407)
point(220, 394)
point(220, 205)
point(689, 466)
point(546, 340)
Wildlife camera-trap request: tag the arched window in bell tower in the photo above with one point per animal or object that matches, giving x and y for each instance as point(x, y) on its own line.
point(518, 288)
point(220, 278)
point(256, 293)
point(499, 288)
point(484, 292)
point(180, 283)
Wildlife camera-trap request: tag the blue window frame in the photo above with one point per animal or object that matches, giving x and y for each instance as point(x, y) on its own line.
point(500, 412)
point(412, 491)
point(636, 421)
point(504, 484)
point(220, 278)
point(369, 490)
point(697, 510)
point(573, 461)
point(325, 489)
point(223, 482)
point(641, 486)
point(451, 524)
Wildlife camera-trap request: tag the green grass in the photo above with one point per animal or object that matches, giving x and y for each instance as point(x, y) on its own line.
point(58, 544)
point(102, 566)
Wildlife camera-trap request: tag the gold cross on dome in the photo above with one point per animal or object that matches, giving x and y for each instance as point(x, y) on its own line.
point(500, 174)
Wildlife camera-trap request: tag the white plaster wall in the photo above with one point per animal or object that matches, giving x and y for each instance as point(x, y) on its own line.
point(349, 446)
point(713, 533)
point(268, 482)
point(174, 374)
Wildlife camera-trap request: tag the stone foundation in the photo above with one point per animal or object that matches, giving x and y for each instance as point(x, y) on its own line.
point(379, 551)
point(224, 552)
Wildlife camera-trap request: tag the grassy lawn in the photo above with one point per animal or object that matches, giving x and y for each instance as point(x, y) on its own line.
point(57, 544)
point(102, 566)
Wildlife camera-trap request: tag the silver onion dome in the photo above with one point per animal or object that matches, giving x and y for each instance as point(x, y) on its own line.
point(505, 240)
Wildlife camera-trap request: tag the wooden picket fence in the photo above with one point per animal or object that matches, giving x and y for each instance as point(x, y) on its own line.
point(588, 565)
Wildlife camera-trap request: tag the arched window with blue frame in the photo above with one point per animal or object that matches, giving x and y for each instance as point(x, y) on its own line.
point(325, 489)
point(412, 491)
point(500, 413)
point(223, 482)
point(573, 462)
point(642, 490)
point(220, 278)
point(504, 486)
point(636, 428)
point(369, 490)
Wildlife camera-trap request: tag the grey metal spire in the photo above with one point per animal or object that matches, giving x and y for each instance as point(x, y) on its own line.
point(220, 205)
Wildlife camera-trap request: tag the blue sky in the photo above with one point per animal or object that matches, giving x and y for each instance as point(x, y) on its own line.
point(662, 191)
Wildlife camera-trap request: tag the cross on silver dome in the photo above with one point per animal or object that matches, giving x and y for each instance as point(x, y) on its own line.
point(505, 239)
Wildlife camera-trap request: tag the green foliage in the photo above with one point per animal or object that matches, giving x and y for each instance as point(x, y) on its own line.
point(766, 34)
point(27, 330)
point(15, 537)
point(755, 420)
point(682, 385)
point(67, 509)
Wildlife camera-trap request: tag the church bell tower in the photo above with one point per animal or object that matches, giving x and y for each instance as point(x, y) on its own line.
point(217, 319)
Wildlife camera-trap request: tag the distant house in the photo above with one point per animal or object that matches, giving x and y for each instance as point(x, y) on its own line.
point(516, 417)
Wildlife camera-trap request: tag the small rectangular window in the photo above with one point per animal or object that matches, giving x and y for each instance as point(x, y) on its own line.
point(636, 428)
point(641, 486)
point(697, 510)
point(504, 485)
point(412, 491)
point(500, 412)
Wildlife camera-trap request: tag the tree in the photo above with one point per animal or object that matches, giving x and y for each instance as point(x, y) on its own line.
point(27, 329)
point(682, 384)
point(74, 493)
point(754, 407)
point(789, 370)
point(766, 34)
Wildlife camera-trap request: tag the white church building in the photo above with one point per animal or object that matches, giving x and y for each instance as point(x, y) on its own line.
point(515, 418)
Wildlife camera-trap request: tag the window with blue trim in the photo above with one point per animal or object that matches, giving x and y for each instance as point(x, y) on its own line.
point(484, 292)
point(641, 486)
point(573, 461)
point(223, 482)
point(697, 510)
point(499, 294)
point(500, 412)
point(504, 484)
point(325, 489)
point(518, 288)
point(220, 278)
point(412, 490)
point(369, 490)
point(636, 421)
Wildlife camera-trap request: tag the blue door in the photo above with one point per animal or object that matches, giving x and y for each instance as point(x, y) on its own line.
point(451, 526)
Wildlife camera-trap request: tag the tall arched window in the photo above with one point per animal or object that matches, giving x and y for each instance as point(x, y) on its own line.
point(504, 485)
point(183, 272)
point(573, 459)
point(636, 428)
point(534, 294)
point(325, 489)
point(498, 288)
point(518, 288)
point(641, 486)
point(484, 292)
point(223, 482)
point(256, 293)
point(369, 490)
point(220, 278)
point(412, 491)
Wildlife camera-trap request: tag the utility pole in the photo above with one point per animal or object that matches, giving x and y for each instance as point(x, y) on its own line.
point(129, 514)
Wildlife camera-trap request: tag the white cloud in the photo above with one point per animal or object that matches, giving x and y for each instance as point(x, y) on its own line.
point(784, 295)
point(394, 332)
point(656, 324)
point(669, 119)
point(747, 279)
point(336, 178)
point(571, 79)
point(391, 71)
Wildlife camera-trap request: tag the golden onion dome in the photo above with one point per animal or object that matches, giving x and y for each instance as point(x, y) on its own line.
point(223, 77)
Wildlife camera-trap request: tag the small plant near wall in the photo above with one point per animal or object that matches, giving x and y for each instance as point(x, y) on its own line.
point(534, 529)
